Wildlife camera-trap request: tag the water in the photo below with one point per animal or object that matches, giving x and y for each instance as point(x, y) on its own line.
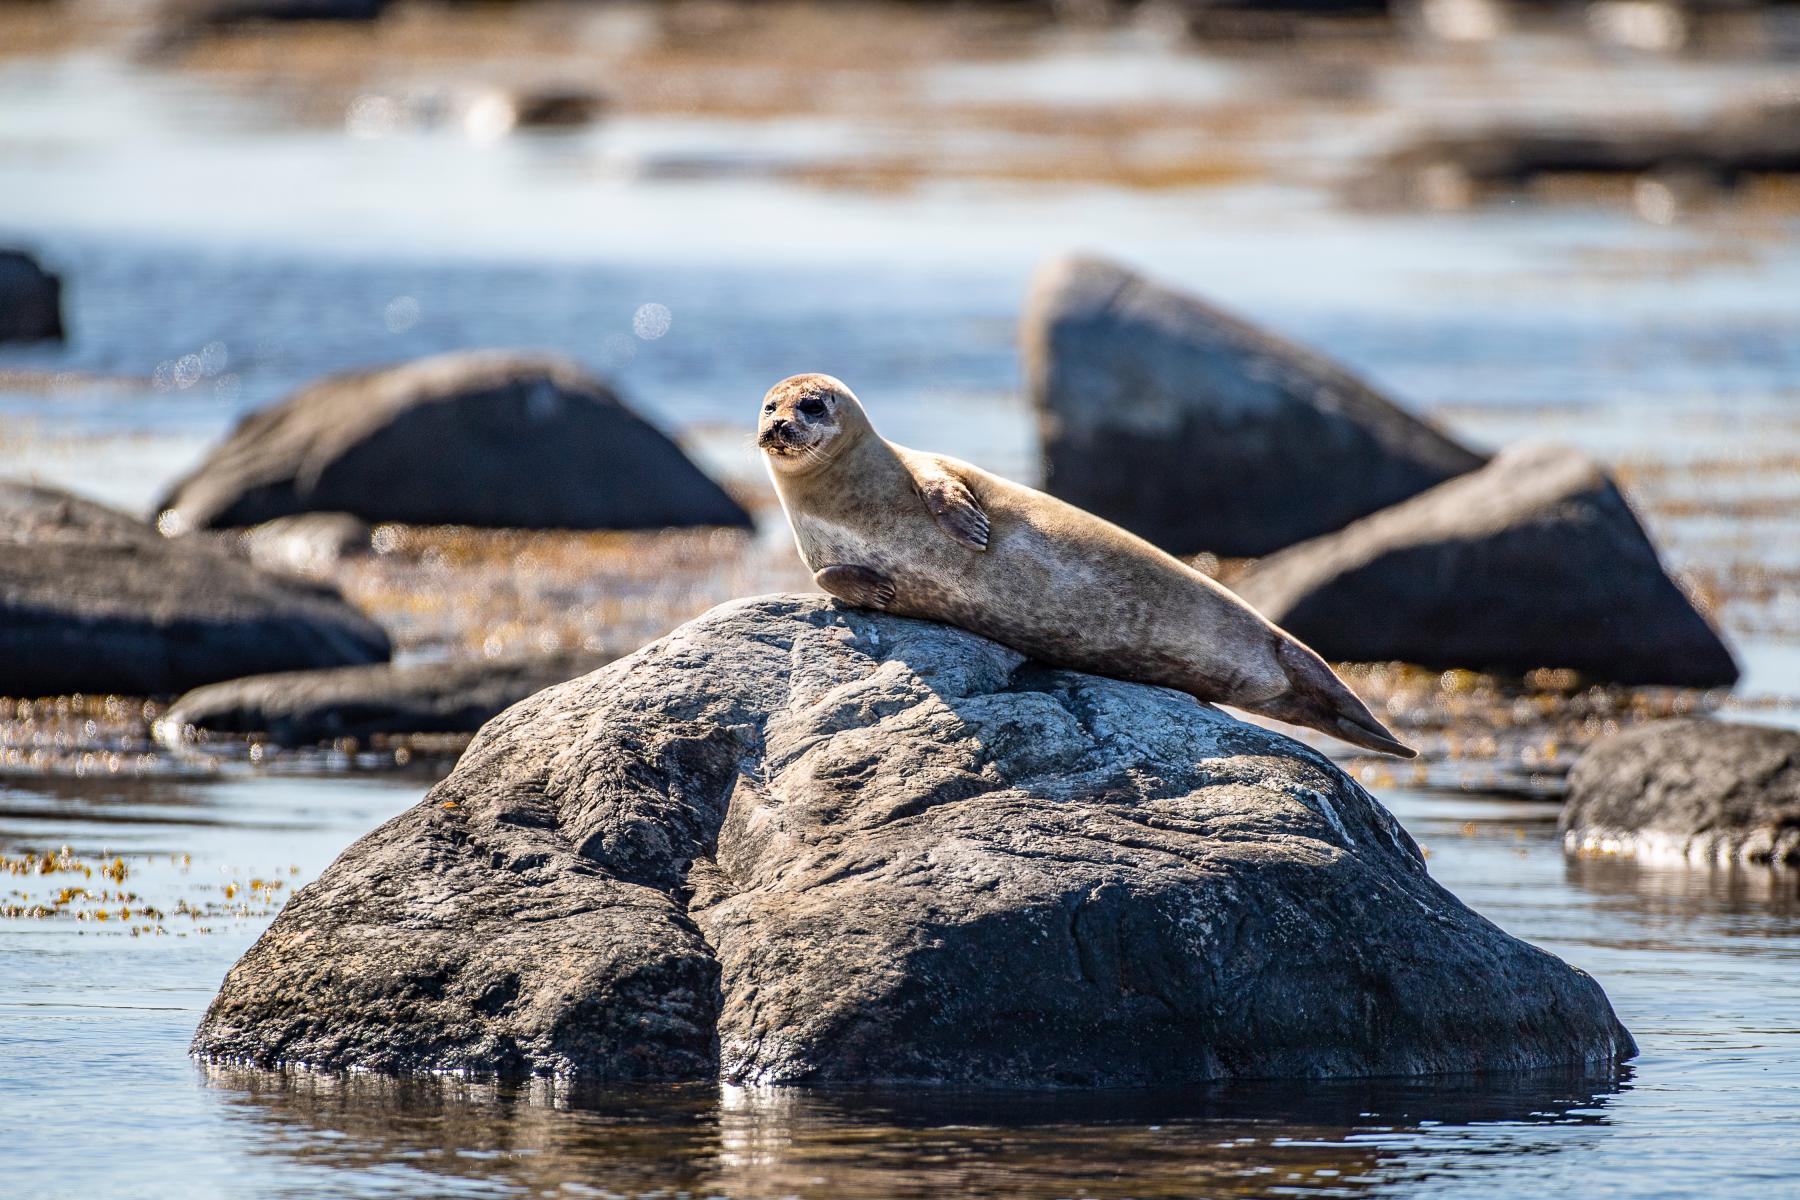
point(98, 1097)
point(226, 238)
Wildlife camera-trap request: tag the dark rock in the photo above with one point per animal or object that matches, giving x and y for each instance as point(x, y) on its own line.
point(490, 439)
point(216, 14)
point(1534, 561)
point(309, 543)
point(1200, 432)
point(552, 107)
point(30, 300)
point(94, 601)
point(1706, 791)
point(1279, 20)
point(797, 842)
point(299, 708)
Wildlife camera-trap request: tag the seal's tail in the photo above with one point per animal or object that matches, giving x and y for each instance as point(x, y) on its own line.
point(1318, 699)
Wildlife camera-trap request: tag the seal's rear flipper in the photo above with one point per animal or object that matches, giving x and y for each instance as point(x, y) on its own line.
point(1318, 699)
point(1372, 737)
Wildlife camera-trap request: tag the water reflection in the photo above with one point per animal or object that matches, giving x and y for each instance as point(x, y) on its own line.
point(1678, 894)
point(1339, 1139)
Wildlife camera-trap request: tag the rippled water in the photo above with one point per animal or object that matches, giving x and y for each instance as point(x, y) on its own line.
point(98, 1097)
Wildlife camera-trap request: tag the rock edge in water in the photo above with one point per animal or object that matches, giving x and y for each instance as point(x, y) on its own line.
point(93, 600)
point(299, 708)
point(1691, 789)
point(793, 842)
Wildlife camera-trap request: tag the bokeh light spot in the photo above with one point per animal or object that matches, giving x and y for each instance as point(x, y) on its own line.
point(651, 321)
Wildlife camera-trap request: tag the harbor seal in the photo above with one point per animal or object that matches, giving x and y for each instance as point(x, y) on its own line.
point(921, 535)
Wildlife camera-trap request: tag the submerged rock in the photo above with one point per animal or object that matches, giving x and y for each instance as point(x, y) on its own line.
point(92, 600)
point(1201, 432)
point(1707, 791)
point(299, 708)
point(30, 300)
point(487, 439)
point(796, 842)
point(1534, 561)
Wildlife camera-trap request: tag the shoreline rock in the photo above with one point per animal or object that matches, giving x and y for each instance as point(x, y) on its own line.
point(797, 843)
point(1535, 560)
point(92, 600)
point(1689, 789)
point(1200, 432)
point(487, 438)
point(301, 708)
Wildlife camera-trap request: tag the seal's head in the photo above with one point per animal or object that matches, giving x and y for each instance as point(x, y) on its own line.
point(806, 421)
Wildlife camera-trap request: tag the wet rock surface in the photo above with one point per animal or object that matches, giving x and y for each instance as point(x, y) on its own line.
point(299, 708)
point(488, 439)
point(92, 600)
point(1709, 791)
point(1534, 561)
point(796, 842)
point(1200, 432)
point(30, 300)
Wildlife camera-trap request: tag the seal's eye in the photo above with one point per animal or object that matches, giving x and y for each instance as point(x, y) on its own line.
point(812, 406)
point(769, 407)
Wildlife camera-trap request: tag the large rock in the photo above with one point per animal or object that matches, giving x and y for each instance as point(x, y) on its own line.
point(94, 601)
point(1706, 791)
point(1534, 561)
point(490, 438)
point(30, 300)
point(299, 708)
point(1200, 432)
point(796, 842)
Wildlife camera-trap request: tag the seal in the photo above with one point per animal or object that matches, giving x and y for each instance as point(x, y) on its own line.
point(921, 535)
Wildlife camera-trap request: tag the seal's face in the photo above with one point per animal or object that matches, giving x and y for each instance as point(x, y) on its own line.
point(803, 421)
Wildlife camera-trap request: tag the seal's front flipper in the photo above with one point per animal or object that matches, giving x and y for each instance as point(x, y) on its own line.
point(958, 512)
point(861, 586)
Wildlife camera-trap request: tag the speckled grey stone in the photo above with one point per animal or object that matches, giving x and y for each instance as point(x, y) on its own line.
point(795, 842)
